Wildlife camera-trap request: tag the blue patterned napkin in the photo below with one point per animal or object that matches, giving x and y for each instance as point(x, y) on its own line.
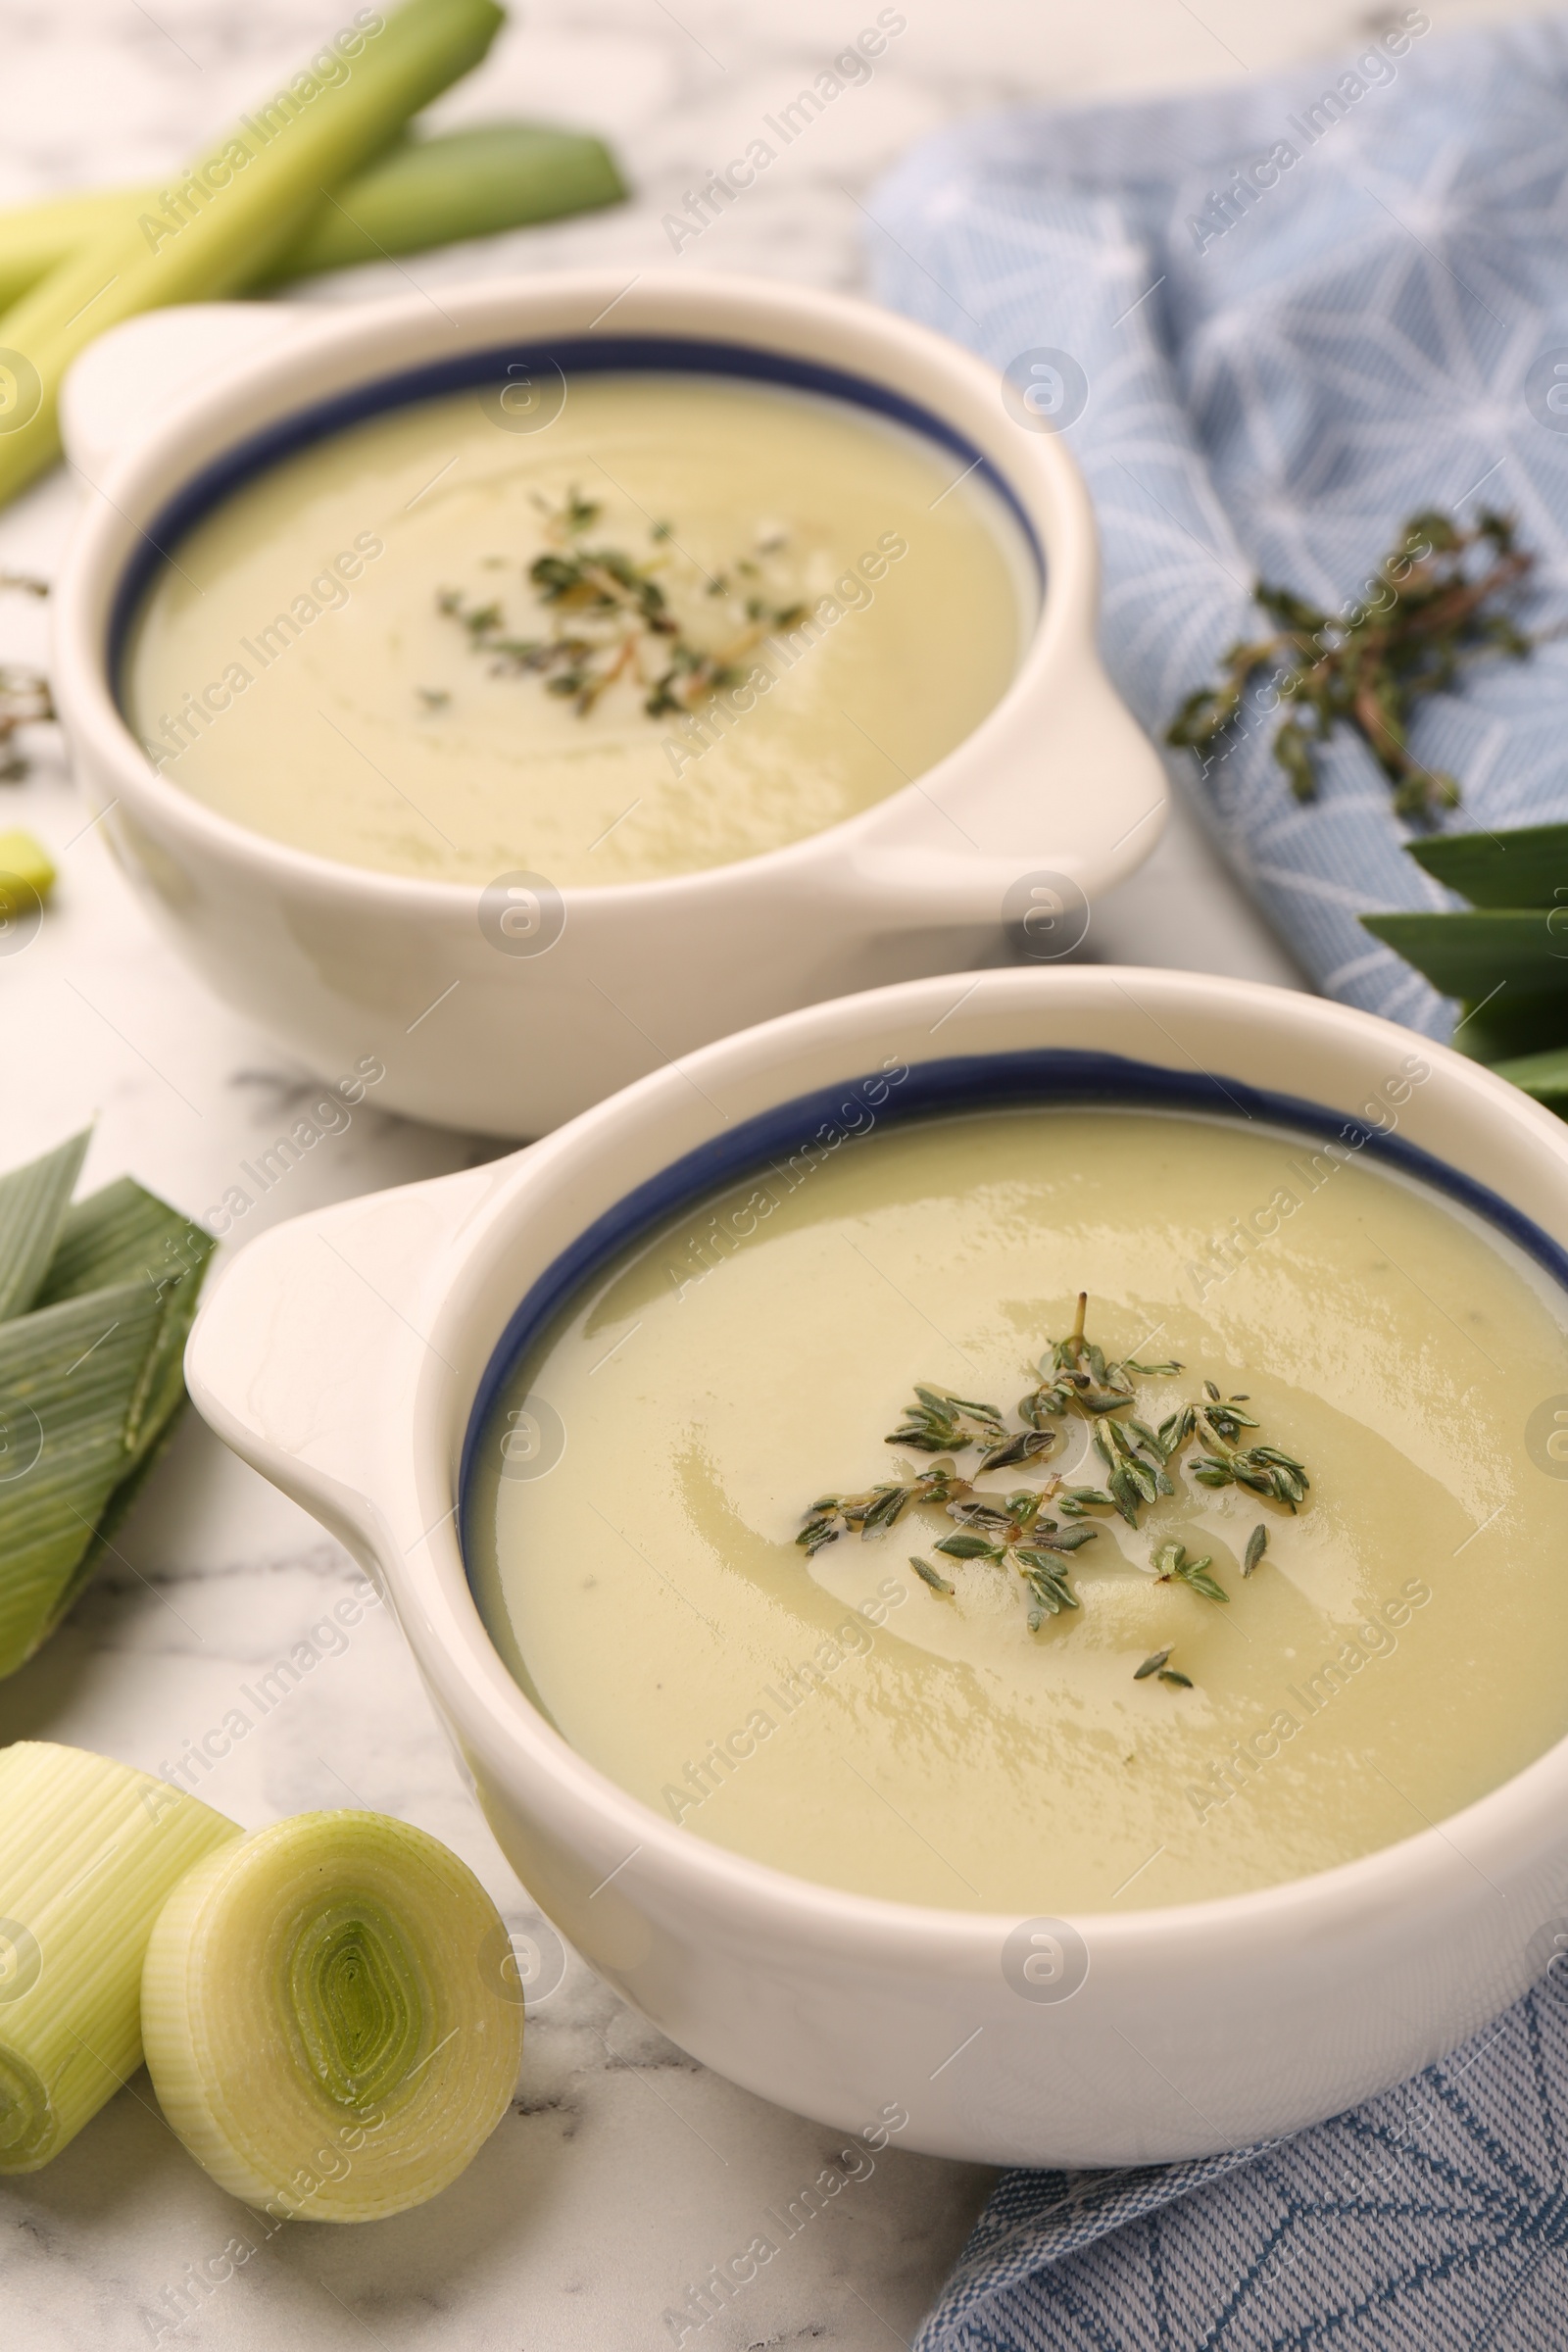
point(1265, 365)
point(1293, 313)
point(1432, 2220)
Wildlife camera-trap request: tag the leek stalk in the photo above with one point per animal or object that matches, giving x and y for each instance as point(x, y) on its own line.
point(467, 183)
point(236, 211)
point(328, 2021)
point(90, 1852)
point(422, 192)
point(36, 238)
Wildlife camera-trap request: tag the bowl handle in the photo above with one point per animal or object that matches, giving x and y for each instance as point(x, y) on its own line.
point(922, 889)
point(301, 1342)
point(125, 382)
point(1075, 795)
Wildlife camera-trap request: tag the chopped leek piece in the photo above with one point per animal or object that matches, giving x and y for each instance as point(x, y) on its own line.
point(329, 2023)
point(25, 860)
point(91, 1851)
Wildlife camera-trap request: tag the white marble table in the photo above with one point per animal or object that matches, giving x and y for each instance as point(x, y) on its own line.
point(624, 2171)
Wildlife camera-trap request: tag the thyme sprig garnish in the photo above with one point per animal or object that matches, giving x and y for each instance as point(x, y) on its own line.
point(1173, 1565)
point(1422, 618)
point(1076, 1376)
point(1261, 1469)
point(1016, 1532)
point(936, 1423)
point(834, 1515)
point(611, 619)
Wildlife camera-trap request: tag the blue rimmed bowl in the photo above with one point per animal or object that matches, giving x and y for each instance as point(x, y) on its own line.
point(1055, 789)
point(352, 1355)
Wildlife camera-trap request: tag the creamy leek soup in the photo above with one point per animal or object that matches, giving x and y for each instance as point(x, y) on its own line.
point(686, 620)
point(1037, 1719)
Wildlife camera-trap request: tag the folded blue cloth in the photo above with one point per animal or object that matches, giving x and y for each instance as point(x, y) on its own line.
point(1264, 365)
point(1432, 2220)
point(1294, 313)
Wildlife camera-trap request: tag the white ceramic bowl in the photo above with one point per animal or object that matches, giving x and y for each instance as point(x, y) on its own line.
point(338, 961)
point(343, 1356)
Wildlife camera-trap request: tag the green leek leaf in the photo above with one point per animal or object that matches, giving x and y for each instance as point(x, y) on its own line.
point(467, 183)
point(124, 1234)
point(1524, 867)
point(1510, 1022)
point(1544, 1075)
point(101, 1295)
point(1470, 954)
point(421, 192)
point(33, 1201)
point(71, 1376)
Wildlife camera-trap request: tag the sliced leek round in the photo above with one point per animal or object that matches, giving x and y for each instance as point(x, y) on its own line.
point(329, 2021)
point(91, 1851)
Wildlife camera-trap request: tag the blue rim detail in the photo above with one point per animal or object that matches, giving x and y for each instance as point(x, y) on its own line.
point(577, 355)
point(1055, 1075)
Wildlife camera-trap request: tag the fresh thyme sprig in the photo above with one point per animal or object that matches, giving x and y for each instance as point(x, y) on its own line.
point(936, 1424)
point(611, 621)
point(1261, 1469)
point(1017, 1532)
point(1172, 1565)
point(1422, 620)
point(1136, 1456)
point(834, 1515)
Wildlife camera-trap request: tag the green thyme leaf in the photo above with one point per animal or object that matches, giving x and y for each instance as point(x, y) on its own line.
point(1021, 1448)
point(1172, 1563)
point(924, 1570)
point(1049, 1588)
point(1067, 1539)
point(1078, 1500)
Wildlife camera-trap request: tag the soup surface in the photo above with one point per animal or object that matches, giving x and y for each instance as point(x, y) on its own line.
point(1396, 1651)
point(429, 644)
